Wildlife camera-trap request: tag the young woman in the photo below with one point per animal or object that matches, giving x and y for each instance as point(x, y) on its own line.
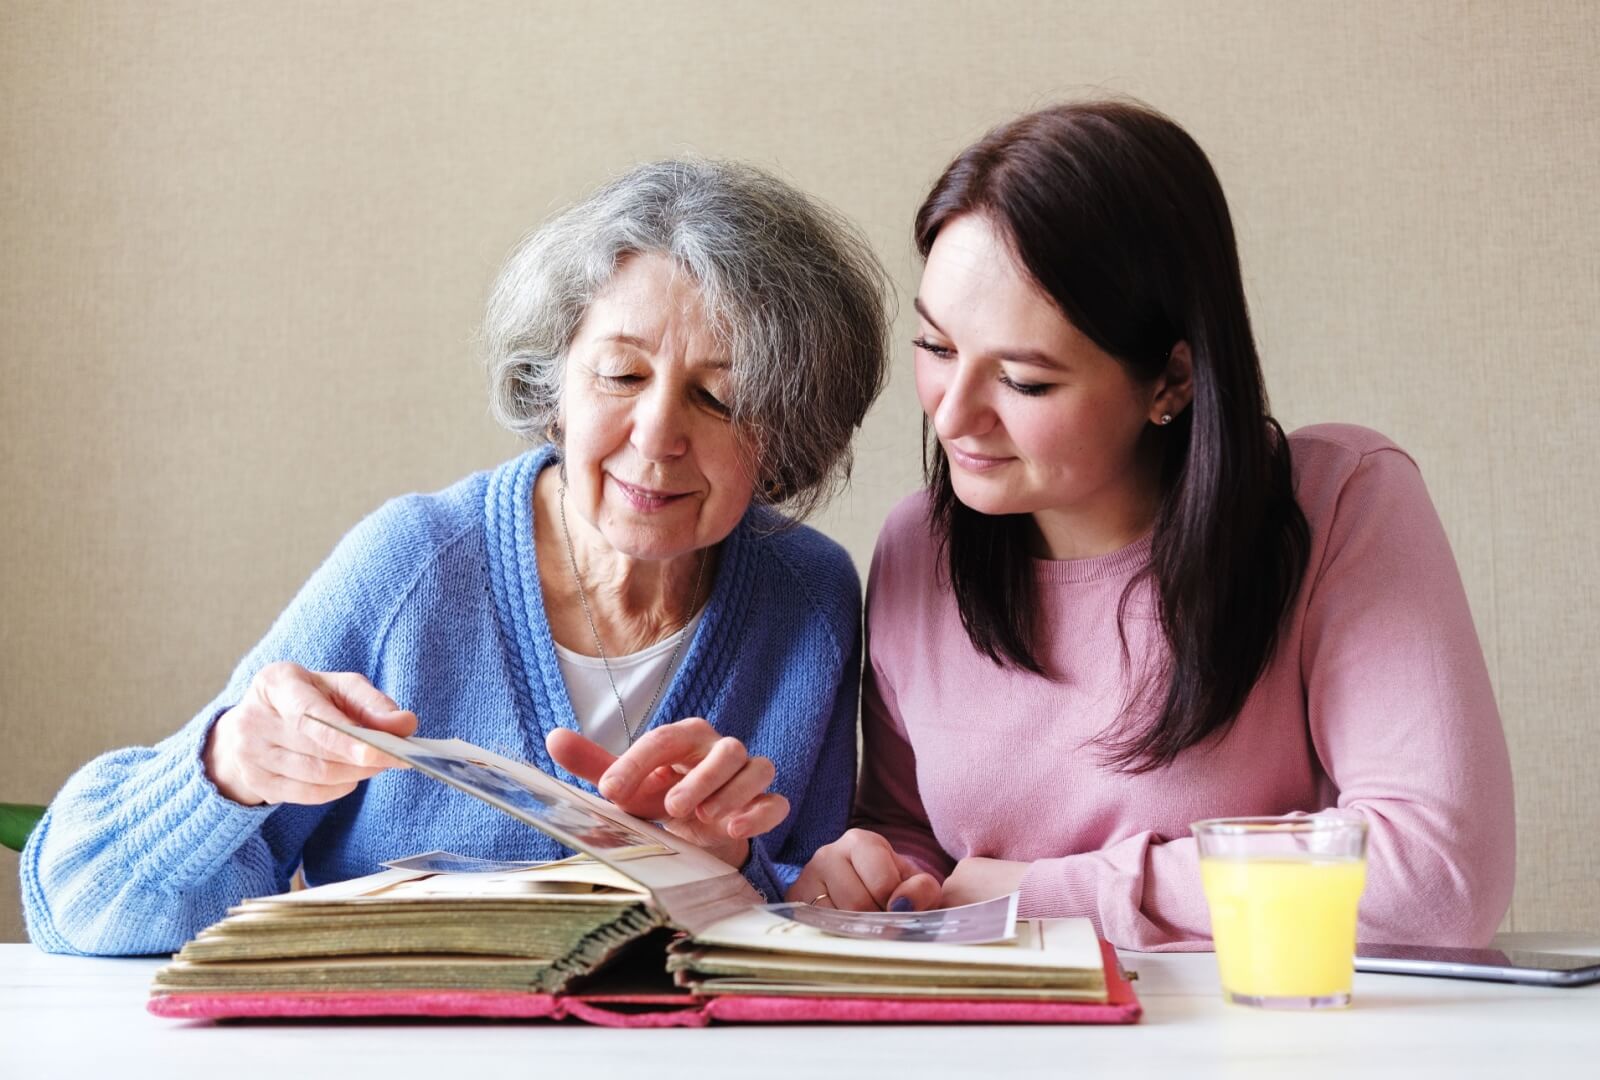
point(1126, 600)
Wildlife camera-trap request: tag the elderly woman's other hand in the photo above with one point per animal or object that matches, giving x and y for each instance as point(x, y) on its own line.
point(703, 786)
point(269, 749)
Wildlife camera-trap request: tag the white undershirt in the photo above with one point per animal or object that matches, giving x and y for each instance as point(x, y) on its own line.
point(637, 675)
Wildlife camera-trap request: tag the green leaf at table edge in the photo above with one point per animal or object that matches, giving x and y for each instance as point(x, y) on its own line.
point(16, 822)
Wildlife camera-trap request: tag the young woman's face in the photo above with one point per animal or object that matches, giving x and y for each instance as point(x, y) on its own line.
point(1034, 418)
point(652, 459)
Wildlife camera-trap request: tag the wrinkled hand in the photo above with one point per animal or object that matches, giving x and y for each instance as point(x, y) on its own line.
point(268, 749)
point(860, 871)
point(703, 786)
point(976, 879)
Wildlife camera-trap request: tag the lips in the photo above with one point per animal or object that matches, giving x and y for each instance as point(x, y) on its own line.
point(971, 462)
point(647, 499)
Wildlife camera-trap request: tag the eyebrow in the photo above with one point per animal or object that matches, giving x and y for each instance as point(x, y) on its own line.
point(1031, 357)
point(922, 310)
point(716, 363)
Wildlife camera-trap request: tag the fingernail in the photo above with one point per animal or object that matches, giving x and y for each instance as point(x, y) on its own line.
point(900, 903)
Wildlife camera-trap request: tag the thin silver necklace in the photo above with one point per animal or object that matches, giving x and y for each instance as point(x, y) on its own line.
point(583, 598)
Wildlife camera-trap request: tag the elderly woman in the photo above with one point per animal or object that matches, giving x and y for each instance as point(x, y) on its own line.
point(692, 346)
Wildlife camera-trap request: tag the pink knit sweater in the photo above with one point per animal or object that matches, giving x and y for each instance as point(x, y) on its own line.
point(1376, 701)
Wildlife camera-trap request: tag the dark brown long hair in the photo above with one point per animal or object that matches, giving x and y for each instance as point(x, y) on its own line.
point(1116, 213)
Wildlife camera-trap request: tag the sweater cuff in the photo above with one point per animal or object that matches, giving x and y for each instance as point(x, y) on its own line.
point(198, 827)
point(1059, 889)
point(762, 873)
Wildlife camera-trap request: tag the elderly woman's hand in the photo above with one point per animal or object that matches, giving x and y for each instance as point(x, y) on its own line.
point(268, 749)
point(703, 786)
point(860, 871)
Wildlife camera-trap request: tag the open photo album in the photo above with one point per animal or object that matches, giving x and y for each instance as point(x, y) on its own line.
point(641, 928)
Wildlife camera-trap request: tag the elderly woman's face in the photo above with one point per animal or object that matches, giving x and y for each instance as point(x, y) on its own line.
point(652, 459)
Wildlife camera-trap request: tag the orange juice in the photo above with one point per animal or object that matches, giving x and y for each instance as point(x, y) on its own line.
point(1284, 926)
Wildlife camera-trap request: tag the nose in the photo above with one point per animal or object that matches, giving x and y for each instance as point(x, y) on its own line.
point(963, 406)
point(660, 424)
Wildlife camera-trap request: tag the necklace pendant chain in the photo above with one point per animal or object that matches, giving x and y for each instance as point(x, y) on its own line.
point(588, 615)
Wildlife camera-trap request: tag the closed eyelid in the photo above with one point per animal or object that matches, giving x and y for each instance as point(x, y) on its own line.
point(1031, 389)
point(1032, 358)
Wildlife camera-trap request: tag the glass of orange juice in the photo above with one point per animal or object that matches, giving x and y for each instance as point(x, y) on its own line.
point(1283, 893)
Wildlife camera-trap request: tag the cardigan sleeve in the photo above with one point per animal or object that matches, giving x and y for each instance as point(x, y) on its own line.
point(1403, 723)
point(139, 851)
point(830, 669)
point(823, 810)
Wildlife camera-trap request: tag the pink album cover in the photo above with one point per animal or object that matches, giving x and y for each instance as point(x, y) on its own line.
point(651, 1010)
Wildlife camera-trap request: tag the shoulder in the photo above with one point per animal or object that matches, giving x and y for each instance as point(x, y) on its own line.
point(798, 561)
point(1362, 495)
point(414, 528)
point(807, 560)
point(907, 549)
point(379, 561)
point(1327, 458)
point(344, 612)
point(907, 523)
point(1332, 445)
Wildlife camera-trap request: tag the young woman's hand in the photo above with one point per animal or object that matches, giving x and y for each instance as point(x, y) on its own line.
point(268, 749)
point(703, 786)
point(976, 879)
point(860, 871)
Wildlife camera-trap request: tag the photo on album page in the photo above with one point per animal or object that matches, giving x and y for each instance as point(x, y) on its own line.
point(983, 923)
point(591, 830)
point(449, 862)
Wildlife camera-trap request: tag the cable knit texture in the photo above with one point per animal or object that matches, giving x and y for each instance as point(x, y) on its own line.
point(436, 599)
point(1377, 701)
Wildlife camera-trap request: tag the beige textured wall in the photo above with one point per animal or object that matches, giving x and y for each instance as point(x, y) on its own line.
point(243, 248)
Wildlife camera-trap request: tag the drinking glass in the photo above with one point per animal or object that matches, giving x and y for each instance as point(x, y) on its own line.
point(1283, 893)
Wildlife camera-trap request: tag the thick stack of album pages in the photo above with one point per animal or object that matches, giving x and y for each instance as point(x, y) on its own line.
point(530, 929)
point(641, 920)
point(545, 928)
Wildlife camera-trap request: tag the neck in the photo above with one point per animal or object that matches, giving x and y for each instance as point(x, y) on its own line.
point(634, 602)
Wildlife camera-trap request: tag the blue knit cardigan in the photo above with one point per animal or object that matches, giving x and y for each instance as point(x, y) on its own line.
point(436, 600)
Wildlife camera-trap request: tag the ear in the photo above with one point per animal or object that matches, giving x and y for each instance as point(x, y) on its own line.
point(1174, 389)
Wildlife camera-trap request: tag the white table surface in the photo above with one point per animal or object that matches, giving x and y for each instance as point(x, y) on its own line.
point(72, 1017)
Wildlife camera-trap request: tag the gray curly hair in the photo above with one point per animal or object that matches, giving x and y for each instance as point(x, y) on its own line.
point(793, 290)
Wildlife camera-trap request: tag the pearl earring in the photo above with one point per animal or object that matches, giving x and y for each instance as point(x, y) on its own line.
point(1166, 418)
